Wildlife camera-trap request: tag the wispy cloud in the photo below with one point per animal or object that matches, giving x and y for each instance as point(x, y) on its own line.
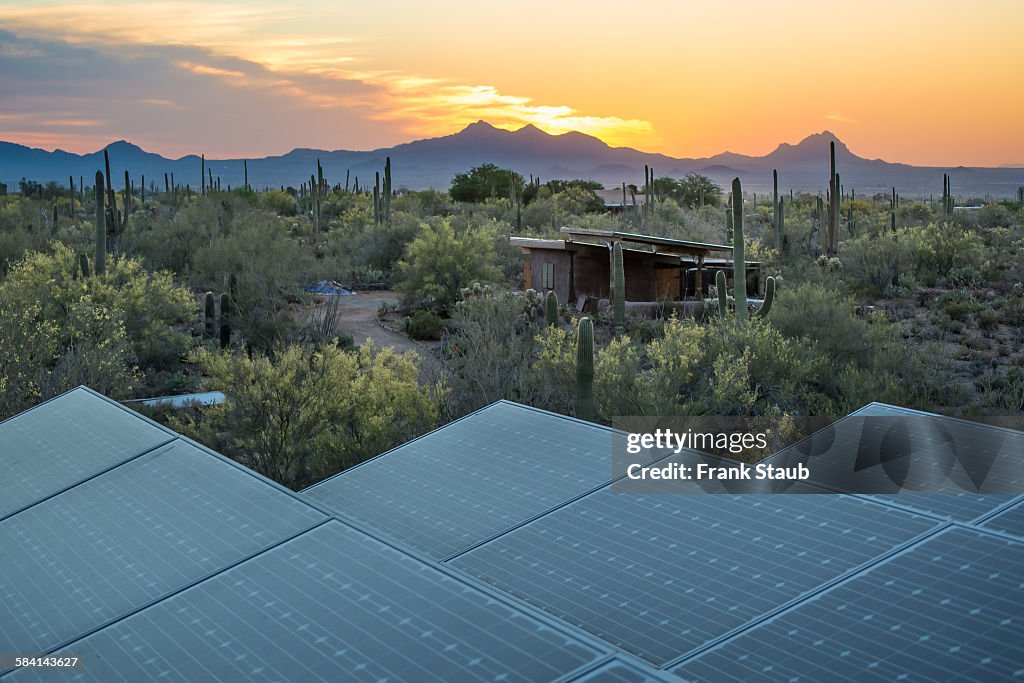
point(840, 118)
point(234, 47)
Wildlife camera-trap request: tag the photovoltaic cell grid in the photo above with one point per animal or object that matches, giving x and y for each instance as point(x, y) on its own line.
point(473, 478)
point(660, 575)
point(140, 531)
point(947, 609)
point(952, 503)
point(1009, 521)
point(65, 441)
point(331, 600)
point(617, 671)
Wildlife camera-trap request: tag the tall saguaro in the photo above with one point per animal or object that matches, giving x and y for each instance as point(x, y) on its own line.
point(833, 202)
point(101, 227)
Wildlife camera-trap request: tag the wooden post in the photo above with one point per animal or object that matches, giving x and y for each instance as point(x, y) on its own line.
point(699, 284)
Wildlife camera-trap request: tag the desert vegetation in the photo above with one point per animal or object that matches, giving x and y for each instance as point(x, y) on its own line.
point(161, 289)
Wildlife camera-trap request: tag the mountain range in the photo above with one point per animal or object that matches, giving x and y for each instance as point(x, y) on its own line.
point(432, 162)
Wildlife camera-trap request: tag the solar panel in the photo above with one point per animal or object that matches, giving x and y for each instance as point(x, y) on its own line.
point(133, 534)
point(946, 609)
point(909, 453)
point(617, 671)
point(659, 575)
point(1010, 520)
point(64, 441)
point(473, 478)
point(332, 604)
point(961, 507)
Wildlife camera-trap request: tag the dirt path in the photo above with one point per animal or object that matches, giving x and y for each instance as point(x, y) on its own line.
point(358, 319)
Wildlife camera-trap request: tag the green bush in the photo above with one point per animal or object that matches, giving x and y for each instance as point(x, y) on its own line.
point(957, 304)
point(425, 325)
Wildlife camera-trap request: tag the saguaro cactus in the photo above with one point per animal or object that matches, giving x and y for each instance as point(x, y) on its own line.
point(739, 263)
point(834, 193)
point(585, 370)
point(739, 268)
point(225, 320)
point(618, 289)
point(209, 314)
point(101, 227)
point(780, 226)
point(551, 308)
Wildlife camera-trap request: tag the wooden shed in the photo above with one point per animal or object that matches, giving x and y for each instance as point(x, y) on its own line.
point(656, 268)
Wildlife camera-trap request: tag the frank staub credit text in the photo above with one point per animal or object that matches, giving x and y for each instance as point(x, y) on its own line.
point(733, 442)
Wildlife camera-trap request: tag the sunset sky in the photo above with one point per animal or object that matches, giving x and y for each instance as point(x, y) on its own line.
point(933, 82)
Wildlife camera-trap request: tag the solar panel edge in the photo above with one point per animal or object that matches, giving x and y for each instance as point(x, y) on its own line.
point(85, 634)
point(133, 413)
point(603, 652)
point(91, 477)
point(952, 528)
point(995, 512)
point(80, 387)
point(402, 445)
point(619, 658)
point(940, 416)
point(825, 587)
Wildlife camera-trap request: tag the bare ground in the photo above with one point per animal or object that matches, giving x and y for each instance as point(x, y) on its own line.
point(358, 318)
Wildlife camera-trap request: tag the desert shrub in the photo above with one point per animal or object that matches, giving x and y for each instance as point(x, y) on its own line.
point(281, 203)
point(938, 249)
point(440, 262)
point(874, 262)
point(303, 414)
point(424, 325)
point(957, 303)
point(153, 311)
point(988, 318)
point(271, 271)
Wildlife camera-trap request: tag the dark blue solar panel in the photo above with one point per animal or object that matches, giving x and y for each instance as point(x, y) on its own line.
point(961, 507)
point(948, 609)
point(330, 605)
point(617, 671)
point(473, 478)
point(847, 464)
point(65, 441)
point(133, 534)
point(660, 575)
point(1010, 521)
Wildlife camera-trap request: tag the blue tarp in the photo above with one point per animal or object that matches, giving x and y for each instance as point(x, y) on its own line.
point(329, 288)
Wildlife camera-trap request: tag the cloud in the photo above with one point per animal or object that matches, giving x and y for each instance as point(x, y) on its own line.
point(182, 76)
point(840, 118)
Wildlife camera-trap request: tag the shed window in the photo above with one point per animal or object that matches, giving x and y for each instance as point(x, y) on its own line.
point(548, 279)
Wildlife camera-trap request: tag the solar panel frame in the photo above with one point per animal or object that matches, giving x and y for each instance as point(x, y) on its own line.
point(952, 504)
point(1009, 520)
point(117, 541)
point(248, 610)
point(574, 562)
point(72, 455)
point(895, 620)
point(404, 493)
point(618, 670)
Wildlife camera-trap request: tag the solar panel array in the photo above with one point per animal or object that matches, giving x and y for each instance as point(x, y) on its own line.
point(476, 477)
point(661, 575)
point(65, 441)
point(947, 609)
point(493, 549)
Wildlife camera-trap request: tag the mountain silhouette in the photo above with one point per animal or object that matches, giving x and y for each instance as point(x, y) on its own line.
point(432, 162)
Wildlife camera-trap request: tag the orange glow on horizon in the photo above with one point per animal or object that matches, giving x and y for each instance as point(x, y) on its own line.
point(692, 82)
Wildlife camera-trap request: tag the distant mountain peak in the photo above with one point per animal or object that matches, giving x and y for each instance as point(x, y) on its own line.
point(531, 129)
point(480, 125)
point(124, 146)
